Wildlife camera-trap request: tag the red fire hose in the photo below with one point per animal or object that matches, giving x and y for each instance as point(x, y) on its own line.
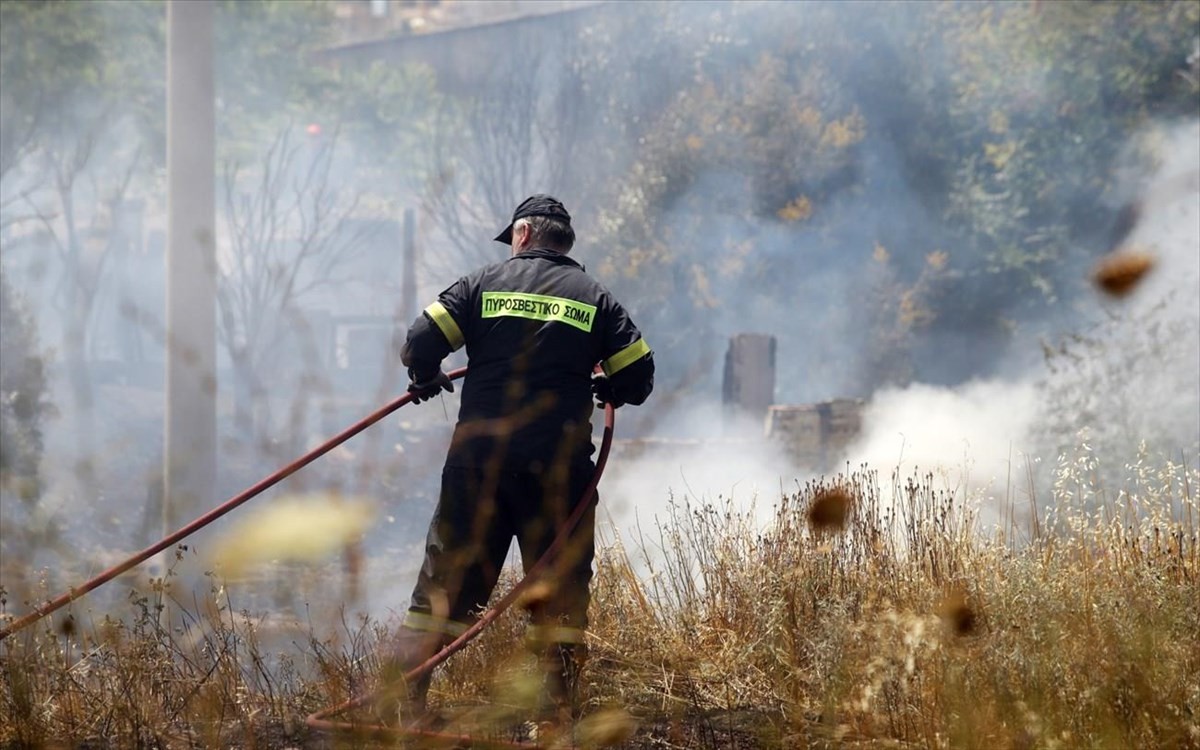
point(320, 719)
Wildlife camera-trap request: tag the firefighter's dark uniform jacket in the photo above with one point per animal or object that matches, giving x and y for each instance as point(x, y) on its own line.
point(534, 326)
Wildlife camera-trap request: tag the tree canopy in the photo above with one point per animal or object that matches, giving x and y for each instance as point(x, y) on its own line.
point(897, 191)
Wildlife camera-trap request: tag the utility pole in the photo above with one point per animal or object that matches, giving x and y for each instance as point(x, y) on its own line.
point(190, 461)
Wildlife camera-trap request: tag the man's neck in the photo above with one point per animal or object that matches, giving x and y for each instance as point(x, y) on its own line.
point(535, 248)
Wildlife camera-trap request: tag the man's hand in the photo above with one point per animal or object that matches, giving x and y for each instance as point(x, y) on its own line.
point(602, 390)
point(425, 389)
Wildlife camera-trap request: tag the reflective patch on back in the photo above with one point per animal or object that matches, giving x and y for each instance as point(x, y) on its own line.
point(539, 307)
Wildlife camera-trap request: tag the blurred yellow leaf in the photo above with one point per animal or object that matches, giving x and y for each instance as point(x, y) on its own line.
point(517, 688)
point(605, 728)
point(810, 119)
point(845, 132)
point(999, 154)
point(937, 259)
point(796, 210)
point(297, 527)
point(913, 311)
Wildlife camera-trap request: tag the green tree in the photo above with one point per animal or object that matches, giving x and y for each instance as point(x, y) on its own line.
point(1044, 99)
point(1004, 122)
point(716, 221)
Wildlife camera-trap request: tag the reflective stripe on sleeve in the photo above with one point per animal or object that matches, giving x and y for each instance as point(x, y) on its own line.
point(430, 624)
point(438, 314)
point(553, 634)
point(625, 357)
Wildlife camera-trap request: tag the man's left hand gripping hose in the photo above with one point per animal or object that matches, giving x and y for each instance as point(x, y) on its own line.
point(427, 388)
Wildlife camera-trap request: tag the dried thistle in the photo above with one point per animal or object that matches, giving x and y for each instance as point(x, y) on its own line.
point(957, 613)
point(1119, 272)
point(829, 509)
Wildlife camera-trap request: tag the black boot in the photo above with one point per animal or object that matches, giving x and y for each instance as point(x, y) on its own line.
point(399, 701)
point(562, 664)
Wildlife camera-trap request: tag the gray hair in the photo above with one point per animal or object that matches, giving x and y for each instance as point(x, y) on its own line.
point(550, 232)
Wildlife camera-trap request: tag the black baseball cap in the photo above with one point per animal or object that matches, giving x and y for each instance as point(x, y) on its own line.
point(535, 205)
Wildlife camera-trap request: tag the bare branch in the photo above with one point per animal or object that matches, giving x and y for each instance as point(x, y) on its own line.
point(489, 153)
point(286, 240)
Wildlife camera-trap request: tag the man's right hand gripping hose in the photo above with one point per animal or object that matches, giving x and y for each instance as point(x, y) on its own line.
point(603, 391)
point(425, 388)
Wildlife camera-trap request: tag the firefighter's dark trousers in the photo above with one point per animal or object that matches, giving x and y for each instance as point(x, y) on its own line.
point(478, 514)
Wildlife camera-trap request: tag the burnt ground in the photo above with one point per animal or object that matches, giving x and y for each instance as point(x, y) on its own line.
point(732, 730)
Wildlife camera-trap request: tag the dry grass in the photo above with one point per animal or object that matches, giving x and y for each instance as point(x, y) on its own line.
point(910, 626)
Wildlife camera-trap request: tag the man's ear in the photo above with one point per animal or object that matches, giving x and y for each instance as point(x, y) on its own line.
point(521, 234)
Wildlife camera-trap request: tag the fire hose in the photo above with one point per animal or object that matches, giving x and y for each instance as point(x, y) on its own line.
point(320, 720)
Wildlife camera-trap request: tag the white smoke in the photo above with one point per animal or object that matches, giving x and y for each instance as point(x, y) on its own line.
point(645, 477)
point(1140, 381)
point(971, 436)
point(1169, 227)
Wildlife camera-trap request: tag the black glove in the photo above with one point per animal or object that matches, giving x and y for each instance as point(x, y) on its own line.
point(425, 389)
point(603, 391)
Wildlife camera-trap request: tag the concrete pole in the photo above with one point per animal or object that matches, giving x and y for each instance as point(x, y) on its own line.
point(189, 461)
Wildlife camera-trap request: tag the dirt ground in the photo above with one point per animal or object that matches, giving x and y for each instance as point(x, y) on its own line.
point(741, 730)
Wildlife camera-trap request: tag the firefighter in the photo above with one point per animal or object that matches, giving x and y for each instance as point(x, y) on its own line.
point(534, 326)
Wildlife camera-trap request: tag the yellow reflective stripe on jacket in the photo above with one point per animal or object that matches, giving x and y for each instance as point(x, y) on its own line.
point(625, 357)
point(539, 307)
point(430, 624)
point(438, 314)
point(553, 634)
